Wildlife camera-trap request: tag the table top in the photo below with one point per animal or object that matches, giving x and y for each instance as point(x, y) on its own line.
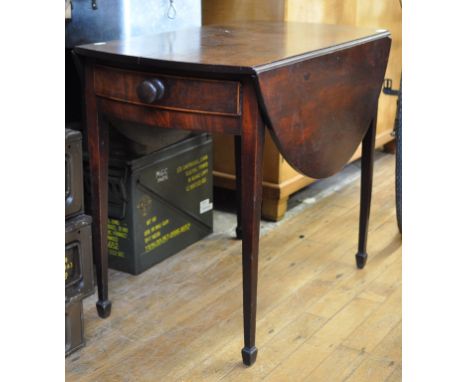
point(317, 85)
point(238, 48)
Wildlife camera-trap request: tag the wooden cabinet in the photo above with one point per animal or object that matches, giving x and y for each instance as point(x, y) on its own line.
point(221, 11)
point(279, 179)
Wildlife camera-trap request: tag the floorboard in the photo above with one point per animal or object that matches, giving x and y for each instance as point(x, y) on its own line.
point(319, 318)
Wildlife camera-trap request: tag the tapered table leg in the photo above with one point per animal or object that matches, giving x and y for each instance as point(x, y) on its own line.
point(253, 135)
point(367, 169)
point(238, 165)
point(98, 147)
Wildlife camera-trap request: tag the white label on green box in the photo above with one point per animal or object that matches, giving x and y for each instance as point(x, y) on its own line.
point(205, 206)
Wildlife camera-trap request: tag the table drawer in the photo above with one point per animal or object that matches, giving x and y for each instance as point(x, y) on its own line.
point(168, 92)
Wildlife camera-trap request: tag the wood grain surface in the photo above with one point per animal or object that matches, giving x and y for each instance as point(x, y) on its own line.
point(239, 48)
point(320, 109)
point(364, 13)
point(317, 124)
point(279, 176)
point(181, 320)
point(180, 94)
point(221, 11)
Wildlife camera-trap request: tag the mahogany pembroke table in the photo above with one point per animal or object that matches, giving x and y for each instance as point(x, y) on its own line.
point(314, 86)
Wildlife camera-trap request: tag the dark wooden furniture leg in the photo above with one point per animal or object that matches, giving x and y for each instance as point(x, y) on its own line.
point(98, 147)
point(367, 169)
point(253, 135)
point(238, 164)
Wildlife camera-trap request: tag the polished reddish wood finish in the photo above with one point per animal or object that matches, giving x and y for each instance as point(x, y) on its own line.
point(238, 165)
point(252, 141)
point(237, 48)
point(334, 98)
point(180, 94)
point(97, 136)
point(315, 86)
point(170, 118)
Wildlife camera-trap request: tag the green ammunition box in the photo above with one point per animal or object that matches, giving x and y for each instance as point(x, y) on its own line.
point(79, 277)
point(73, 173)
point(158, 204)
point(74, 333)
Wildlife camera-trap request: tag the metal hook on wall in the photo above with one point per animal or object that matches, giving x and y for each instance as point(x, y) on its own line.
point(171, 12)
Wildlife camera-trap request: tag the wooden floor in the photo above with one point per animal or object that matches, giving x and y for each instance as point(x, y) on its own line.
point(319, 318)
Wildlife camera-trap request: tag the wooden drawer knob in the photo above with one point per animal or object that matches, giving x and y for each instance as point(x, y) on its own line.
point(150, 91)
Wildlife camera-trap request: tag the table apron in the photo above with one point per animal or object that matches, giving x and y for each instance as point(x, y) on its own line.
point(176, 119)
